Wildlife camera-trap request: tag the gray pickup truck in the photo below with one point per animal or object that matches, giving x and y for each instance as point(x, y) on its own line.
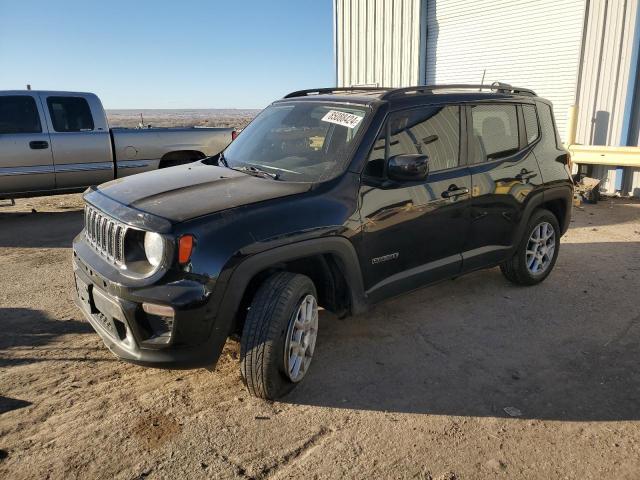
point(60, 142)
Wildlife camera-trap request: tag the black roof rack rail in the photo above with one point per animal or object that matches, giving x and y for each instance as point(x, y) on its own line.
point(495, 86)
point(321, 91)
point(419, 89)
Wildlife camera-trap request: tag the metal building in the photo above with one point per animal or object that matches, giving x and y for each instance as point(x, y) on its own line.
point(573, 52)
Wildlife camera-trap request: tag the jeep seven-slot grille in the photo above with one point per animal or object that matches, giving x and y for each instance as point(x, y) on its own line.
point(105, 234)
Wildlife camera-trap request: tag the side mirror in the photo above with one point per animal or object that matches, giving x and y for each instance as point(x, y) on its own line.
point(408, 168)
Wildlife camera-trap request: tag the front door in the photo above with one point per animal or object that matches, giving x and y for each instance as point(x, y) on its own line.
point(26, 163)
point(414, 234)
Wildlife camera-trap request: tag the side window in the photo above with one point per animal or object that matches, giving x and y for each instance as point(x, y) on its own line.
point(494, 131)
point(70, 114)
point(431, 131)
point(550, 137)
point(530, 123)
point(19, 114)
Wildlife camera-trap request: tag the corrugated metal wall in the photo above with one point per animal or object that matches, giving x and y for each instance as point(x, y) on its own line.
point(634, 120)
point(632, 175)
point(606, 85)
point(378, 42)
point(533, 44)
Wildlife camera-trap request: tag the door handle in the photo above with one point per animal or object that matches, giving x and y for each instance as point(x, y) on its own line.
point(454, 191)
point(525, 175)
point(38, 145)
point(478, 215)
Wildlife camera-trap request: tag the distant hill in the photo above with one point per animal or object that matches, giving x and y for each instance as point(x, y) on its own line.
point(206, 117)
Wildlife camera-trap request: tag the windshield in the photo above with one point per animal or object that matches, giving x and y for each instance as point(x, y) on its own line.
point(297, 141)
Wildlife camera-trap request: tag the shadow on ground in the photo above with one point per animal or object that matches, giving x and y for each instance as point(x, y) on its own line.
point(7, 404)
point(25, 327)
point(474, 346)
point(40, 229)
point(28, 328)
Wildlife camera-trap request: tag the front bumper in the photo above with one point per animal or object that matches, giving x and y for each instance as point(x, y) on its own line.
point(115, 312)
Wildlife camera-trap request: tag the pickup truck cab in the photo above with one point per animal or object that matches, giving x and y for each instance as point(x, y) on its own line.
point(333, 198)
point(60, 142)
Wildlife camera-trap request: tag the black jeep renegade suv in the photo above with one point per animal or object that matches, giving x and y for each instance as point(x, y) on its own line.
point(336, 198)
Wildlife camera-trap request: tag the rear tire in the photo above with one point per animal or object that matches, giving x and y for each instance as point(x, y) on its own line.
point(537, 252)
point(275, 338)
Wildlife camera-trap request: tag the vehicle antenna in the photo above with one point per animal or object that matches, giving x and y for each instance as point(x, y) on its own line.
point(28, 86)
point(482, 81)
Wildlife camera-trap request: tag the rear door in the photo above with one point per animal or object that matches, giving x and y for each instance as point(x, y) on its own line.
point(26, 164)
point(414, 234)
point(504, 174)
point(80, 140)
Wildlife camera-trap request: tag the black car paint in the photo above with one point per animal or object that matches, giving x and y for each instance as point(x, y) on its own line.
point(195, 189)
point(244, 225)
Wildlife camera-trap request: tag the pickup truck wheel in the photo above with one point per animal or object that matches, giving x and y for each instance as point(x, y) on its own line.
point(279, 335)
point(537, 252)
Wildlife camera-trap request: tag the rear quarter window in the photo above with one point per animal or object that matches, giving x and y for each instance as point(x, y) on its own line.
point(530, 123)
point(19, 114)
point(550, 136)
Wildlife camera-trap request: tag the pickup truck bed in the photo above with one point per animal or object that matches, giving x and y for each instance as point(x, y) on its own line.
point(60, 142)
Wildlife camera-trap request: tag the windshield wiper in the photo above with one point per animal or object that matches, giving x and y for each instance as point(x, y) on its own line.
point(253, 170)
point(249, 168)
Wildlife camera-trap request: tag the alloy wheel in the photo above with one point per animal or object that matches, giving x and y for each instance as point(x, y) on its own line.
point(540, 248)
point(301, 338)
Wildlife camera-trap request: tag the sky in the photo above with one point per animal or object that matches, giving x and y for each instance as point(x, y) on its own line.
point(168, 54)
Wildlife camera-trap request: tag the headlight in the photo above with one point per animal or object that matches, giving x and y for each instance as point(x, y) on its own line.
point(153, 248)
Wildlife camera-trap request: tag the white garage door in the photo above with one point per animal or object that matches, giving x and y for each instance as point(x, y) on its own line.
point(529, 43)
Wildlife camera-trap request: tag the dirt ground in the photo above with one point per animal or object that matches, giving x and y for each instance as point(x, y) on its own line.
point(417, 388)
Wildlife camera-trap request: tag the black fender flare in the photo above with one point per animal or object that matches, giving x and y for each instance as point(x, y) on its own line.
point(563, 192)
point(232, 283)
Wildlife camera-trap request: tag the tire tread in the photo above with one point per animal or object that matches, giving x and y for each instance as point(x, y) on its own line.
point(514, 269)
point(267, 317)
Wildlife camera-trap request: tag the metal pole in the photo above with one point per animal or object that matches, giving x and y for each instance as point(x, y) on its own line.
point(572, 124)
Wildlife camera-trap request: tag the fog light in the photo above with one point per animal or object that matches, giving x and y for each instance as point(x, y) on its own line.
point(160, 310)
point(159, 321)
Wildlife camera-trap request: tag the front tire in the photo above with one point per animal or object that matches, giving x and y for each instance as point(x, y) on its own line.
point(537, 252)
point(279, 334)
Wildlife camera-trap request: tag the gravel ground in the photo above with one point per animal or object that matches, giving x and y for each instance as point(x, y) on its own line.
point(417, 388)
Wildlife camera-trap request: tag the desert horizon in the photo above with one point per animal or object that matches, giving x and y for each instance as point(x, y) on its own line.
point(191, 117)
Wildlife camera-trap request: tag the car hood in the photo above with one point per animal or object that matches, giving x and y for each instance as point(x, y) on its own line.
point(189, 191)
